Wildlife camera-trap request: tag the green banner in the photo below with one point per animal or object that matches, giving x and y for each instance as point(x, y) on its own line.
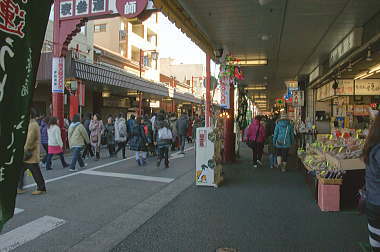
point(22, 30)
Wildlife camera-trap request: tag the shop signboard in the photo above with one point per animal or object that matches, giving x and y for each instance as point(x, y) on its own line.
point(315, 74)
point(70, 9)
point(352, 40)
point(225, 95)
point(154, 104)
point(345, 87)
point(298, 98)
point(58, 78)
point(204, 171)
point(367, 87)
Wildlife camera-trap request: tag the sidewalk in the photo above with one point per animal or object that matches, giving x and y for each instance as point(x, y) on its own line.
point(258, 209)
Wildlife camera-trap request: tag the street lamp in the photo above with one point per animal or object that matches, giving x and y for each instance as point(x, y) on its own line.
point(154, 54)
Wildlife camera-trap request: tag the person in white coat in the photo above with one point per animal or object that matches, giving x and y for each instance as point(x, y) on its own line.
point(121, 134)
point(55, 144)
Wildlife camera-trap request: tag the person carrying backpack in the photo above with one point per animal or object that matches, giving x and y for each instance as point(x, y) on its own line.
point(121, 134)
point(163, 141)
point(283, 139)
point(78, 139)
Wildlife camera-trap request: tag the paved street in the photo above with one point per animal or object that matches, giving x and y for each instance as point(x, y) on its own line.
point(255, 210)
point(96, 207)
point(116, 204)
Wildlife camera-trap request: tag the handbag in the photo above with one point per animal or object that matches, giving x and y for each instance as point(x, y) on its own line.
point(252, 143)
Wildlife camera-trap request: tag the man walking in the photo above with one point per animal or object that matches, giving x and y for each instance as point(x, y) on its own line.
point(182, 127)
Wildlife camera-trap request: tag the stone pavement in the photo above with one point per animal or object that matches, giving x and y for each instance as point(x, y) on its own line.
point(258, 209)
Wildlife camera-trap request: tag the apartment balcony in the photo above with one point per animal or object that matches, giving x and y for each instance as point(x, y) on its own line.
point(139, 42)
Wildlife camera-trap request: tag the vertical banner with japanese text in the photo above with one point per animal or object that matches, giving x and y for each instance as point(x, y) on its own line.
point(204, 172)
point(22, 30)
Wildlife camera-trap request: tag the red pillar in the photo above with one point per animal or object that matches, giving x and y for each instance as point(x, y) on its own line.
point(208, 94)
point(229, 136)
point(74, 103)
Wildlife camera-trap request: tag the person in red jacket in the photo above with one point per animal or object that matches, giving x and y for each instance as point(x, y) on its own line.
point(256, 136)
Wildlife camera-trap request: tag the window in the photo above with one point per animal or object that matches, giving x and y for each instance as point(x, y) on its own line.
point(100, 28)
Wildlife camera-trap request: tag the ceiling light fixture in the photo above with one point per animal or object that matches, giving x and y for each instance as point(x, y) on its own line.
point(369, 55)
point(364, 75)
point(359, 76)
point(256, 88)
point(374, 68)
point(253, 62)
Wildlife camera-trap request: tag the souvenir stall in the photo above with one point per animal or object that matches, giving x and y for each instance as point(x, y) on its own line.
point(333, 168)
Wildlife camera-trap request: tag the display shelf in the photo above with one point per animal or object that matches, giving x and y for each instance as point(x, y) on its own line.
point(345, 164)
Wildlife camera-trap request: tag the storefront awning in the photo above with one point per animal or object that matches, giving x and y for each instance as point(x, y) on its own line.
point(105, 75)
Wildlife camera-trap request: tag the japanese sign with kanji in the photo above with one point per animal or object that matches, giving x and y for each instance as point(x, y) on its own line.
point(70, 9)
point(58, 72)
point(22, 30)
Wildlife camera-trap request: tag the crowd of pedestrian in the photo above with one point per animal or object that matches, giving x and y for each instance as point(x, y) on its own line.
point(147, 136)
point(277, 134)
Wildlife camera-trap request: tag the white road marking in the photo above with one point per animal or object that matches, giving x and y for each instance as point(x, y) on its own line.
point(77, 173)
point(91, 169)
point(28, 232)
point(130, 176)
point(18, 210)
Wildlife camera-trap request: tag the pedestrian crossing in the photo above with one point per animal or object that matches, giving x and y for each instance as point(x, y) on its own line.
point(129, 176)
point(25, 234)
point(28, 232)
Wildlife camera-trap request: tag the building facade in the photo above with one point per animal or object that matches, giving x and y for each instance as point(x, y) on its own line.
point(135, 40)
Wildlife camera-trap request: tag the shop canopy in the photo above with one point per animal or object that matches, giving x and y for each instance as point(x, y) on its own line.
point(105, 75)
point(294, 37)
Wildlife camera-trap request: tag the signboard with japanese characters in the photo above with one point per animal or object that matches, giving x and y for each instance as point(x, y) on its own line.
point(71, 9)
point(21, 36)
point(352, 40)
point(367, 87)
point(204, 171)
point(298, 99)
point(131, 8)
point(345, 87)
point(58, 78)
point(224, 95)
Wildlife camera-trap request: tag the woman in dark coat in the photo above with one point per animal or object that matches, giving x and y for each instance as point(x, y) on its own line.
point(110, 134)
point(138, 142)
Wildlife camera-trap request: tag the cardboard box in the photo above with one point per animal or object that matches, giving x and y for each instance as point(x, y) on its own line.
point(329, 197)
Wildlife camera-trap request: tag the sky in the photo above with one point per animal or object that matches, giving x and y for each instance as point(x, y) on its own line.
point(175, 44)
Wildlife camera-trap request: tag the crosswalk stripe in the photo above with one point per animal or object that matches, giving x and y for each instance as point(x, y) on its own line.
point(91, 169)
point(18, 210)
point(129, 176)
point(28, 232)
